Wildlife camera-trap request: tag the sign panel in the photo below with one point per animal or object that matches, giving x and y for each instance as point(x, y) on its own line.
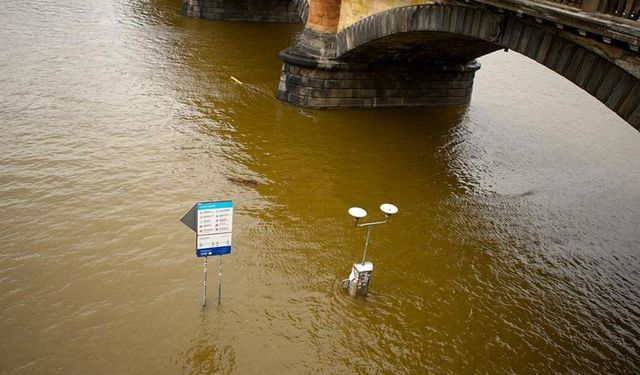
point(215, 217)
point(214, 222)
point(213, 240)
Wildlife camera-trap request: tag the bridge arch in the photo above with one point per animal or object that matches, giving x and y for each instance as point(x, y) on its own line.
point(448, 33)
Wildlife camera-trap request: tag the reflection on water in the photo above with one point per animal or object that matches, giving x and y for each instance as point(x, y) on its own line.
point(515, 249)
point(206, 355)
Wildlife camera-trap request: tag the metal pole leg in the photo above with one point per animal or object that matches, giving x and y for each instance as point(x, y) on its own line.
point(219, 279)
point(204, 298)
point(366, 245)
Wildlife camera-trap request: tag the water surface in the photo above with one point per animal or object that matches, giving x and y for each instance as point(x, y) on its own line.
point(515, 249)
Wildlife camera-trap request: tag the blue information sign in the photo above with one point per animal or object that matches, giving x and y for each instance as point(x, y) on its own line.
point(214, 222)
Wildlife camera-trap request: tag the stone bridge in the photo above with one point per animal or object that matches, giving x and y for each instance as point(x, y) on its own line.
point(380, 53)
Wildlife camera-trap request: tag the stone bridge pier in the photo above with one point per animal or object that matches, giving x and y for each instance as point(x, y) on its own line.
point(336, 64)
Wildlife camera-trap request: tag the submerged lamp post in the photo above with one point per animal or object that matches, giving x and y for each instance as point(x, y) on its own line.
point(358, 281)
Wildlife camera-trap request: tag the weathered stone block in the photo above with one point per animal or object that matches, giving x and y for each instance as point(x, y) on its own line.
point(621, 90)
point(324, 16)
point(630, 101)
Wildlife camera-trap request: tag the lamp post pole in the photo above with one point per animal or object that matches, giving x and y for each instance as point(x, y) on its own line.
point(358, 281)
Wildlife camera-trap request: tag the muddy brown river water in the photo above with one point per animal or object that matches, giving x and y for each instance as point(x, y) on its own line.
point(516, 249)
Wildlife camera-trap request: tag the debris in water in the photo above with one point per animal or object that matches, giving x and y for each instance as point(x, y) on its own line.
point(248, 182)
point(252, 88)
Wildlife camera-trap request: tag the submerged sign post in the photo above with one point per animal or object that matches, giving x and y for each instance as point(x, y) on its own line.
point(213, 223)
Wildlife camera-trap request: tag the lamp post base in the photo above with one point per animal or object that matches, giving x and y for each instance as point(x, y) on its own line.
point(358, 282)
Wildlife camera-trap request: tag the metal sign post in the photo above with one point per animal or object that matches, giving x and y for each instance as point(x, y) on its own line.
point(219, 280)
point(204, 299)
point(212, 222)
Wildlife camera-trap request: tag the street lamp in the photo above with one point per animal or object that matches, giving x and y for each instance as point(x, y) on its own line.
point(358, 281)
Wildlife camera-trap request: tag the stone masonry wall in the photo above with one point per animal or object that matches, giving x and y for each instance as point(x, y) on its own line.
point(353, 11)
point(243, 10)
point(385, 86)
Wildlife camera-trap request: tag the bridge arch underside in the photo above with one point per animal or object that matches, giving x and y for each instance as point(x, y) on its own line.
point(425, 55)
